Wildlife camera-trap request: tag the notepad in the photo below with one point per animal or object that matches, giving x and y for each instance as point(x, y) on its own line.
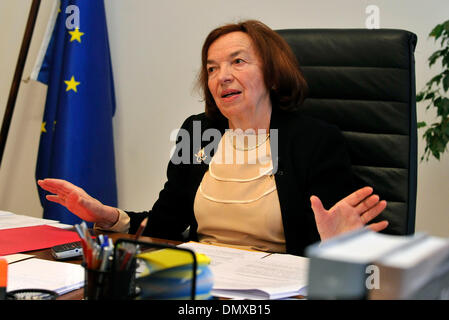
point(170, 258)
point(34, 238)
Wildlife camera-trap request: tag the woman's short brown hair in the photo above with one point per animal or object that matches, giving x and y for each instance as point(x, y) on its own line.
point(279, 66)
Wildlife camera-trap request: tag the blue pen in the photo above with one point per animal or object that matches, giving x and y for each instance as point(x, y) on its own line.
point(105, 241)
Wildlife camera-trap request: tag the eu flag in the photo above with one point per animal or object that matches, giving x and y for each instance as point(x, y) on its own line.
point(76, 141)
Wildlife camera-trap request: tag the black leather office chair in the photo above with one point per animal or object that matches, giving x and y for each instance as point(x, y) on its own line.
point(363, 81)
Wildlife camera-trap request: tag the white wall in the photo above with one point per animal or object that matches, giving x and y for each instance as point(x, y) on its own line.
point(155, 47)
point(17, 186)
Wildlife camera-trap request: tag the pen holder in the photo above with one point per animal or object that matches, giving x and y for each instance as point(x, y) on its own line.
point(110, 285)
point(158, 286)
point(119, 281)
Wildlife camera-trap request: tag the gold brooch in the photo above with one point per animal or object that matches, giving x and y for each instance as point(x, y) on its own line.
point(200, 156)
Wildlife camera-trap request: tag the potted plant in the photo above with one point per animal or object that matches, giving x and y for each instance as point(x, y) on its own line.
point(435, 93)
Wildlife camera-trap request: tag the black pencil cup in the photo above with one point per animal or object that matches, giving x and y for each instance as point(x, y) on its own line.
point(120, 283)
point(110, 285)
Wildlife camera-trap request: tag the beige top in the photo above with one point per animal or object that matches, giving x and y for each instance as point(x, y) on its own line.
point(237, 202)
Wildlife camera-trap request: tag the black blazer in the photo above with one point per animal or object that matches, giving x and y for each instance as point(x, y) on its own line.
point(312, 160)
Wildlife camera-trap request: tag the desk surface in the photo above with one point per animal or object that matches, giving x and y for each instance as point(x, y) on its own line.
point(78, 294)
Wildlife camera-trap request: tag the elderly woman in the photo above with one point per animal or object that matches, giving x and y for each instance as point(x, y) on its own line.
point(266, 181)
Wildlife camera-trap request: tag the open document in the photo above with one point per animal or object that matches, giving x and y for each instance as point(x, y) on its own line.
point(244, 274)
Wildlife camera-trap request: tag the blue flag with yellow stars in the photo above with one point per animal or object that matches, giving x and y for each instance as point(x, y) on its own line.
point(76, 142)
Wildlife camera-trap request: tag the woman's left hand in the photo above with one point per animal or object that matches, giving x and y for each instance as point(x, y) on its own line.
point(350, 213)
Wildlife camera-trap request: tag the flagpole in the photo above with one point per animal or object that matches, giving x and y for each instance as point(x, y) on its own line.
point(32, 16)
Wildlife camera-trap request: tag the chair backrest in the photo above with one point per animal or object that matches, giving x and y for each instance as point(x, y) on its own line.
point(363, 81)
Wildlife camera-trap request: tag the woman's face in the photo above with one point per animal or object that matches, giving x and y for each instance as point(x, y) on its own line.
point(235, 77)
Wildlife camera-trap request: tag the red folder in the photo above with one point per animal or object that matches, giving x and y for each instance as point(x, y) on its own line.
point(34, 238)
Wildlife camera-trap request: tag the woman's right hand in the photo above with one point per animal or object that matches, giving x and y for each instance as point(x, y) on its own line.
point(77, 201)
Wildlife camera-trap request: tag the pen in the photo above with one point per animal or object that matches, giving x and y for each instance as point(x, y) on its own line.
point(124, 263)
point(83, 241)
point(141, 228)
point(105, 259)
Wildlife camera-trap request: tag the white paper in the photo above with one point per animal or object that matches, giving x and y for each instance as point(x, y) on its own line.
point(62, 225)
point(368, 247)
point(11, 258)
point(221, 254)
point(60, 277)
point(275, 276)
point(244, 274)
point(5, 213)
point(9, 220)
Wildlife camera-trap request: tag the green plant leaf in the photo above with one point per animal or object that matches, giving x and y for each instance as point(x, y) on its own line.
point(443, 107)
point(436, 154)
point(445, 61)
point(421, 124)
point(436, 135)
point(446, 26)
point(429, 95)
point(440, 146)
point(437, 31)
point(446, 83)
point(435, 80)
point(434, 57)
point(419, 96)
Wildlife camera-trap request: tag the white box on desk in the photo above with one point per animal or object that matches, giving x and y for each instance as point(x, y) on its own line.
point(368, 265)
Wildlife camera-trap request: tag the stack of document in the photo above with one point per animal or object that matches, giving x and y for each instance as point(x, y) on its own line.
point(244, 274)
point(34, 273)
point(20, 233)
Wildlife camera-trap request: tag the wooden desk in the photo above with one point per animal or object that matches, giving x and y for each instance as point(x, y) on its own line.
point(78, 294)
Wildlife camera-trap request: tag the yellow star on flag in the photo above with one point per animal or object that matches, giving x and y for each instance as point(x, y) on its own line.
point(43, 127)
point(76, 35)
point(71, 84)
